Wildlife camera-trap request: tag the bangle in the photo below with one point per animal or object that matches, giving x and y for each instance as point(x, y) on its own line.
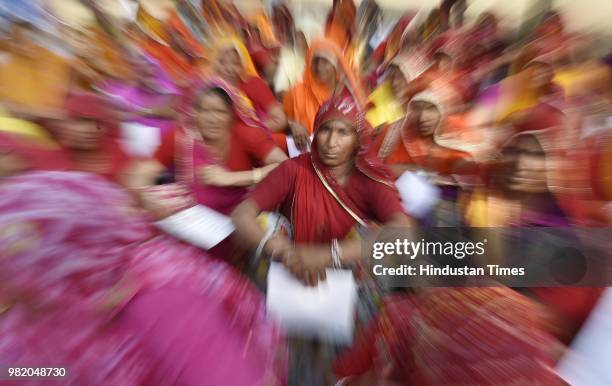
point(257, 175)
point(336, 253)
point(263, 243)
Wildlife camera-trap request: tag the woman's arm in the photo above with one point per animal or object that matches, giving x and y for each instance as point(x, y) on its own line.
point(268, 195)
point(300, 135)
point(276, 120)
point(249, 231)
point(308, 262)
point(141, 174)
point(219, 176)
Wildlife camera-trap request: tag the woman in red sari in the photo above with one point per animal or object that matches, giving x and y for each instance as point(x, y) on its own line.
point(88, 135)
point(326, 70)
point(534, 186)
point(326, 194)
point(428, 143)
point(420, 141)
point(223, 150)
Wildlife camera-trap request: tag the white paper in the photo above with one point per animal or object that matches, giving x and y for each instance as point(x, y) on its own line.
point(325, 311)
point(588, 360)
point(140, 140)
point(199, 226)
point(292, 149)
point(419, 196)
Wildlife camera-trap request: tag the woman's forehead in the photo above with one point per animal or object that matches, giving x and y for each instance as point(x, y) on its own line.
point(213, 98)
point(338, 123)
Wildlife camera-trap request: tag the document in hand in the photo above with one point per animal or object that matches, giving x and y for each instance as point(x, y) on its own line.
point(325, 312)
point(419, 195)
point(292, 149)
point(140, 140)
point(198, 225)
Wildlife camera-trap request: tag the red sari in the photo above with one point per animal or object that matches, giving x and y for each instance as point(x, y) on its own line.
point(249, 145)
point(457, 336)
point(318, 207)
point(571, 305)
point(439, 153)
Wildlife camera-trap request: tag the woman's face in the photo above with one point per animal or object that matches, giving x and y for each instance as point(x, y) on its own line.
point(336, 142)
point(229, 65)
point(214, 117)
point(324, 71)
point(425, 117)
point(82, 134)
point(526, 166)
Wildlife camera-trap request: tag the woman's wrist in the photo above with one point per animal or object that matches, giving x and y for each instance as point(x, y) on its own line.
point(257, 175)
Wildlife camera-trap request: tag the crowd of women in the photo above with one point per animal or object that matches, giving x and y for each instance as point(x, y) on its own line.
point(108, 127)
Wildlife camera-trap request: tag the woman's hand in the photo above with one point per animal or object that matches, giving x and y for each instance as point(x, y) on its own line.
point(308, 263)
point(216, 175)
point(164, 201)
point(277, 247)
point(300, 135)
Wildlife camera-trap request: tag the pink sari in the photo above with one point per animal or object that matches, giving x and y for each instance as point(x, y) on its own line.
point(133, 98)
point(117, 303)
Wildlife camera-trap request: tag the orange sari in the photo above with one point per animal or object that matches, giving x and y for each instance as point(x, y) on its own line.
point(304, 100)
point(340, 23)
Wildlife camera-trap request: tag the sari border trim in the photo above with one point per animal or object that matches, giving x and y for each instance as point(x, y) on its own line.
point(391, 185)
point(333, 193)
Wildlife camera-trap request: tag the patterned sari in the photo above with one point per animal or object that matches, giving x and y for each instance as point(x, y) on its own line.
point(457, 336)
point(114, 301)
